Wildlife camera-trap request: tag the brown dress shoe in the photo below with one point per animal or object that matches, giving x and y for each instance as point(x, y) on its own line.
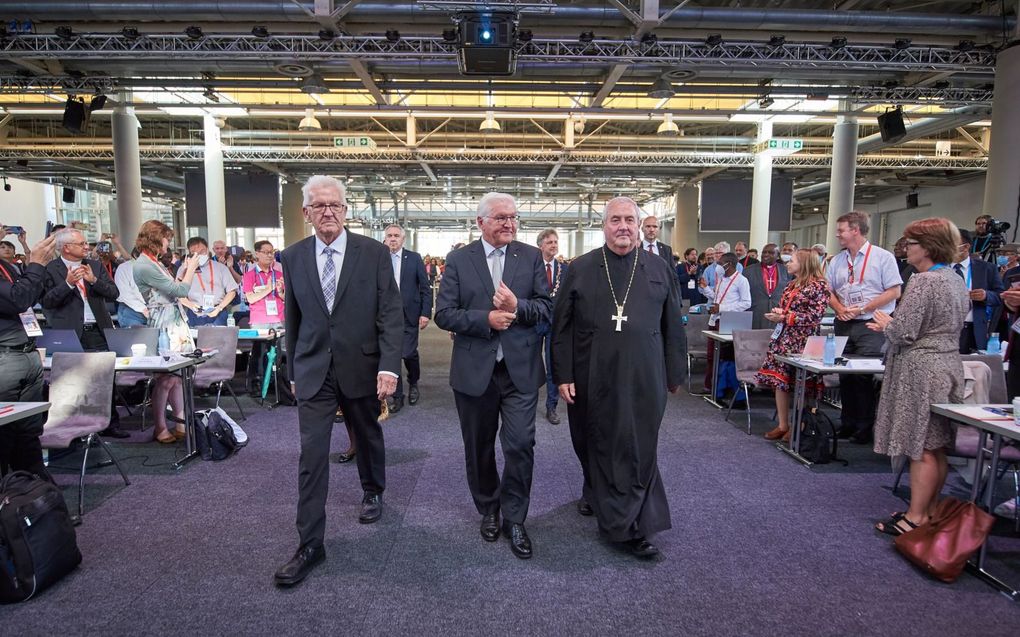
point(775, 434)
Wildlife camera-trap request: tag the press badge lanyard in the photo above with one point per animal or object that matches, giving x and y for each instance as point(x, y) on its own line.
point(266, 282)
point(850, 267)
point(212, 277)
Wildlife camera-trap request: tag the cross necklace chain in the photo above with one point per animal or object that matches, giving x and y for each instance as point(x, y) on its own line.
point(619, 317)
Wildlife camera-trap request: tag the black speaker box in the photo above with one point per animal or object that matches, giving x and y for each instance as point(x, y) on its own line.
point(75, 115)
point(890, 125)
point(912, 201)
point(68, 195)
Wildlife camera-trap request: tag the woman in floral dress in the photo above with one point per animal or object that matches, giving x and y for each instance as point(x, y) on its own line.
point(798, 316)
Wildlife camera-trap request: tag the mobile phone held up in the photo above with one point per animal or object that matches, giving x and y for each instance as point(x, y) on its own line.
point(15, 230)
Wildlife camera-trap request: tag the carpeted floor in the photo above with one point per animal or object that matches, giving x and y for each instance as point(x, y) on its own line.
point(760, 545)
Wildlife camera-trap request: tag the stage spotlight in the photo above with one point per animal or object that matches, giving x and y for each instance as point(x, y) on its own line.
point(64, 33)
point(714, 39)
point(586, 36)
point(524, 35)
point(130, 33)
point(902, 43)
point(965, 45)
point(97, 103)
point(649, 39)
point(838, 42)
point(777, 40)
point(194, 32)
point(393, 35)
point(327, 34)
point(260, 31)
point(765, 102)
point(449, 35)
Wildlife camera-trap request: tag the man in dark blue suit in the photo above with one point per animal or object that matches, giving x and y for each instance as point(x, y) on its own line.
point(493, 294)
point(985, 285)
point(416, 296)
point(549, 244)
point(344, 331)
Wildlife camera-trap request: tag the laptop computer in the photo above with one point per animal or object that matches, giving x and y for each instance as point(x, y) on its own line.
point(814, 349)
point(59, 341)
point(121, 340)
point(731, 321)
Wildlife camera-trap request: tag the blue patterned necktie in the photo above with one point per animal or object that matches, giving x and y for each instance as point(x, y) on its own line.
point(329, 279)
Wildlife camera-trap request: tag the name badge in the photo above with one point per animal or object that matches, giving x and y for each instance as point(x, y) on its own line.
point(30, 323)
point(690, 284)
point(271, 308)
point(854, 298)
point(1015, 326)
point(776, 332)
point(208, 301)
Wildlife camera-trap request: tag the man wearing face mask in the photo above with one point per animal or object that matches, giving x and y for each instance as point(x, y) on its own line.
point(212, 290)
point(787, 252)
point(984, 285)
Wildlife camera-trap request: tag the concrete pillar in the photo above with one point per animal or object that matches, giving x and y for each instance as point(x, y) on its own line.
point(215, 197)
point(685, 229)
point(761, 191)
point(127, 171)
point(577, 249)
point(294, 226)
point(412, 238)
point(1002, 182)
point(247, 238)
point(844, 175)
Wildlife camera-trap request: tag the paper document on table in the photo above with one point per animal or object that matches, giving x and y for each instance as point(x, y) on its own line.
point(865, 363)
point(147, 361)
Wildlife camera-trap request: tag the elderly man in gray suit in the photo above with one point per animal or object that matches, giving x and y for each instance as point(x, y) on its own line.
point(493, 294)
point(344, 331)
point(767, 279)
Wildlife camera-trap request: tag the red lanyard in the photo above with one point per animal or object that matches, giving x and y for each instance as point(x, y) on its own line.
point(728, 285)
point(850, 266)
point(211, 276)
point(7, 275)
point(789, 295)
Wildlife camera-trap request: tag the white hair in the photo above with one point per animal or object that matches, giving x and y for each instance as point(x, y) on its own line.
point(723, 247)
point(398, 227)
point(322, 181)
point(488, 199)
point(617, 201)
point(65, 236)
point(819, 246)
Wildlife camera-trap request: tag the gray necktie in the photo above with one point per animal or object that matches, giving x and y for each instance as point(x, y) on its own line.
point(497, 277)
point(396, 267)
point(329, 279)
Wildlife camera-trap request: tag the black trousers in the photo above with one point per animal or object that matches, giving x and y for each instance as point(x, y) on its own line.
point(315, 421)
point(412, 361)
point(480, 418)
point(857, 391)
point(92, 340)
point(968, 344)
point(21, 380)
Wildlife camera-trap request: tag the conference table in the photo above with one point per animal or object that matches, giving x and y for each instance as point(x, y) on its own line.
point(182, 366)
point(805, 366)
point(997, 426)
point(13, 412)
point(721, 339)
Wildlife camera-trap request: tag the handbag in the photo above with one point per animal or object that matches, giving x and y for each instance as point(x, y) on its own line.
point(942, 546)
point(214, 436)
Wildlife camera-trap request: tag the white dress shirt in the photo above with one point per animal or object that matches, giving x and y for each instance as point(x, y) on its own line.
point(71, 265)
point(124, 277)
point(339, 246)
point(969, 280)
point(645, 245)
point(734, 295)
point(397, 258)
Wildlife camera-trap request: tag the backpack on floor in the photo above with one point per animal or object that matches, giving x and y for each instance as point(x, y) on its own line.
point(38, 545)
point(818, 437)
point(215, 434)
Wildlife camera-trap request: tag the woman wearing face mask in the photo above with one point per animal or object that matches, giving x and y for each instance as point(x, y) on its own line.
point(161, 293)
point(798, 316)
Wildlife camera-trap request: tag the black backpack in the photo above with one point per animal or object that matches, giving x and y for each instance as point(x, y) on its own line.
point(214, 436)
point(38, 545)
point(818, 437)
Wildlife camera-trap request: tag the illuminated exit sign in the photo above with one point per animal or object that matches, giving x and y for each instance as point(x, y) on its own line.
point(361, 141)
point(779, 146)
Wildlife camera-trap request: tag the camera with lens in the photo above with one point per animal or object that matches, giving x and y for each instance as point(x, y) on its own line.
point(997, 227)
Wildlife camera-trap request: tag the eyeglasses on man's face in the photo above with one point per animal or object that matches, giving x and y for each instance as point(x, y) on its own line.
point(268, 253)
point(502, 220)
point(321, 208)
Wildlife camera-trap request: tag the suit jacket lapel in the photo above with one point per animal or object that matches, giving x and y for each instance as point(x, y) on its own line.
point(406, 271)
point(312, 268)
point(477, 255)
point(347, 272)
point(510, 262)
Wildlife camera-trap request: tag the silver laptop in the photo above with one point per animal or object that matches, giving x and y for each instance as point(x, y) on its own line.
point(59, 341)
point(732, 321)
point(121, 340)
point(814, 349)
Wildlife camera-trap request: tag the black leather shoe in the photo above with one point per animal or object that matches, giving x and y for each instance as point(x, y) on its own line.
point(114, 432)
point(550, 415)
point(371, 508)
point(584, 508)
point(300, 566)
point(862, 437)
point(640, 547)
point(413, 396)
point(520, 543)
point(846, 431)
point(396, 404)
point(490, 527)
point(346, 456)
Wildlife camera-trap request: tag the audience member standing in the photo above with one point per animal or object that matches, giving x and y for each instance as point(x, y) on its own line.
point(732, 293)
point(651, 244)
point(213, 289)
point(688, 272)
point(744, 258)
point(416, 298)
point(549, 244)
point(983, 288)
point(922, 368)
point(264, 289)
point(131, 310)
point(862, 278)
point(767, 280)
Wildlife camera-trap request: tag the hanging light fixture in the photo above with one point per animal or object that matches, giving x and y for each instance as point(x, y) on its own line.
point(309, 123)
point(661, 89)
point(668, 127)
point(489, 124)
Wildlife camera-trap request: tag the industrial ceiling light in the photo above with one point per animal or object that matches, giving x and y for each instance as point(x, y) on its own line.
point(765, 102)
point(525, 35)
point(902, 43)
point(327, 34)
point(393, 35)
point(450, 35)
point(314, 84)
point(586, 36)
point(649, 39)
point(193, 32)
point(661, 89)
point(777, 40)
point(64, 33)
point(838, 42)
point(130, 33)
point(489, 124)
point(309, 122)
point(965, 46)
point(7, 186)
point(260, 31)
point(714, 39)
point(668, 127)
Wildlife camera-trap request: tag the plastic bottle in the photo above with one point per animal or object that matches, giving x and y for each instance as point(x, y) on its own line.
point(994, 346)
point(829, 354)
point(164, 342)
point(230, 320)
point(1016, 411)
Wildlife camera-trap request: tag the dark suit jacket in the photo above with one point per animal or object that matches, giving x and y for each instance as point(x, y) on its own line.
point(361, 337)
point(984, 276)
point(415, 289)
point(62, 304)
point(691, 294)
point(665, 252)
point(559, 270)
point(761, 300)
point(463, 306)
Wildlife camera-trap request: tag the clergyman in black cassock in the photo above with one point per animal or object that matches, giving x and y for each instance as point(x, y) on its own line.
point(614, 366)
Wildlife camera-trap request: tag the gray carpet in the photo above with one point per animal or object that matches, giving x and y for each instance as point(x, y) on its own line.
point(759, 545)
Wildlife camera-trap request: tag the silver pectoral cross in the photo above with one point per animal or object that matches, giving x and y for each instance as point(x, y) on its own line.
point(619, 318)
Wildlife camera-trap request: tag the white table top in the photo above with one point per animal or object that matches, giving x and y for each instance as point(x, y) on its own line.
point(979, 417)
point(10, 412)
point(723, 338)
point(863, 365)
point(148, 363)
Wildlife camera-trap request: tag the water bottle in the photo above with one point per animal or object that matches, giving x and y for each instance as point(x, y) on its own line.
point(164, 343)
point(230, 320)
point(994, 346)
point(829, 354)
point(1016, 411)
